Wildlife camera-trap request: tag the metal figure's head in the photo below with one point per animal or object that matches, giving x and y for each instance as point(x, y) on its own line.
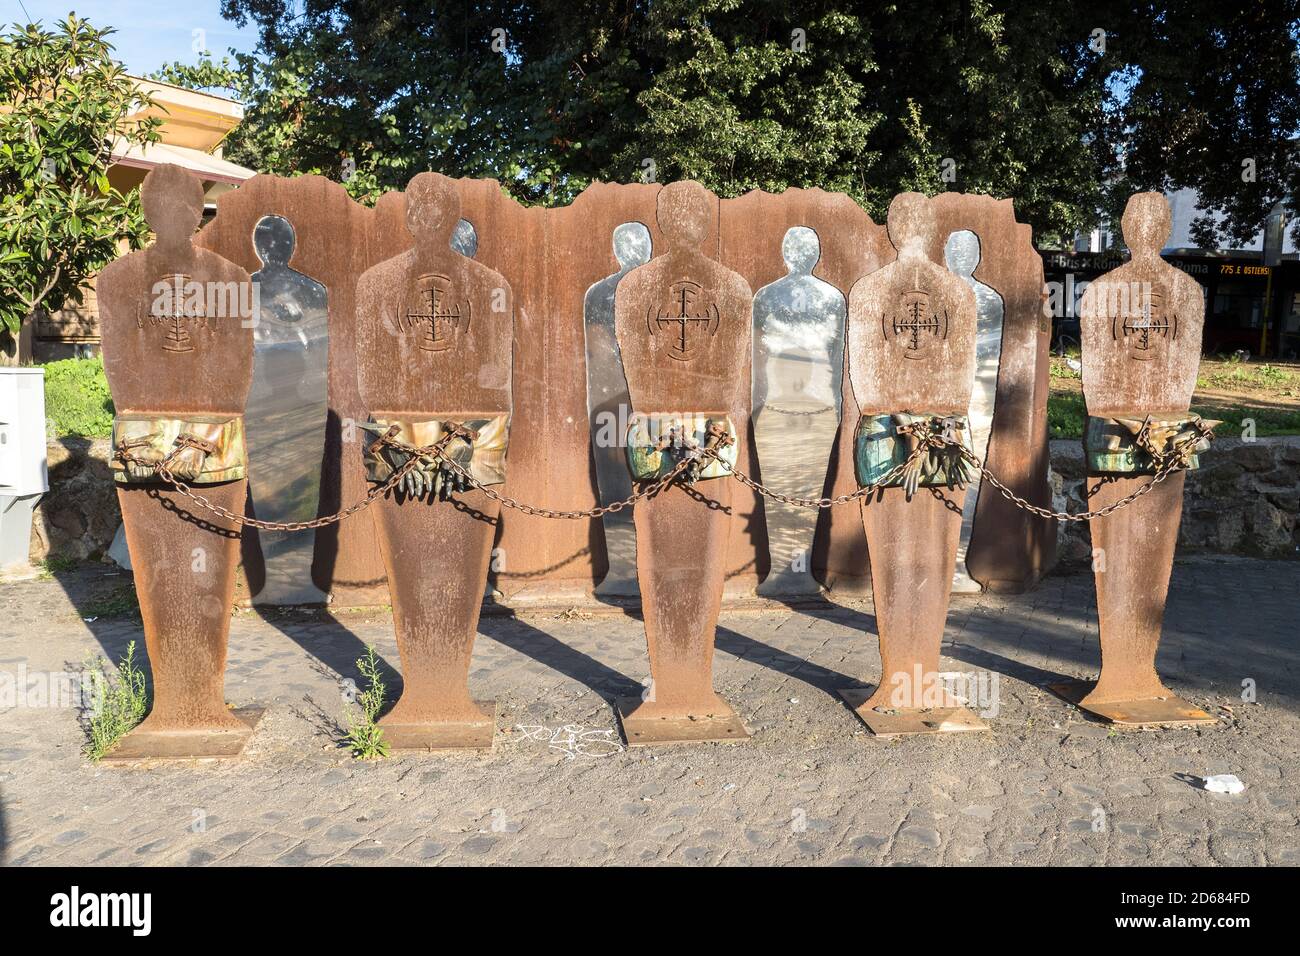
point(683, 213)
point(172, 199)
point(801, 250)
point(962, 252)
point(432, 209)
point(1146, 223)
point(464, 239)
point(631, 245)
point(274, 239)
point(911, 222)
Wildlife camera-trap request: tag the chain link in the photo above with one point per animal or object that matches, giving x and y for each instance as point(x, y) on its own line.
point(1167, 463)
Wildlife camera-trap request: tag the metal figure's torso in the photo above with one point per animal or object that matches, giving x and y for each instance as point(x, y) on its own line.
point(798, 366)
point(285, 422)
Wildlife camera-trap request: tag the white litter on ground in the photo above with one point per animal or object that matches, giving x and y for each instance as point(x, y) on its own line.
point(1223, 783)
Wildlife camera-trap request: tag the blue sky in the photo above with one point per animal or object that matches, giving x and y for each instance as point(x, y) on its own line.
point(149, 32)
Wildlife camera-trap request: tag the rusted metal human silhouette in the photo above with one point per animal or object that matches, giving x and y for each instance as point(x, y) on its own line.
point(178, 356)
point(683, 327)
point(1141, 336)
point(434, 345)
point(911, 342)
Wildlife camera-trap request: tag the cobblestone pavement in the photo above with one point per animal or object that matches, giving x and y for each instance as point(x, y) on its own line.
point(1045, 786)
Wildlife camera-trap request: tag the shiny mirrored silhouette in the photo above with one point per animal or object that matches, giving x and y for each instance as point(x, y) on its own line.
point(608, 406)
point(962, 255)
point(286, 413)
point(798, 367)
point(464, 239)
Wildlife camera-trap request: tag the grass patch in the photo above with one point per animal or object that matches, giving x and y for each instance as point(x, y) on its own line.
point(119, 602)
point(1268, 421)
point(1058, 368)
point(54, 564)
point(1066, 416)
point(120, 703)
point(1238, 375)
point(77, 402)
point(365, 737)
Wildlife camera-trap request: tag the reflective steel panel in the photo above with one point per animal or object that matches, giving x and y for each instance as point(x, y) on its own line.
point(464, 239)
point(609, 408)
point(286, 412)
point(798, 363)
point(962, 255)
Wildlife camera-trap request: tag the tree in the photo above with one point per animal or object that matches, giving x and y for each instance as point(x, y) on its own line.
point(67, 103)
point(1215, 106)
point(1065, 106)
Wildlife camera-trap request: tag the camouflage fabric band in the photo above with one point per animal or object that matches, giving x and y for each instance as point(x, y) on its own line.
point(1112, 446)
point(657, 441)
point(484, 457)
point(153, 438)
point(877, 449)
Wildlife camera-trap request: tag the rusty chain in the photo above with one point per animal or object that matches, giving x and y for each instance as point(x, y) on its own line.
point(1167, 463)
point(436, 450)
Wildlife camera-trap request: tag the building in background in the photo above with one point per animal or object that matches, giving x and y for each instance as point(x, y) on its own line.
point(194, 125)
point(1252, 294)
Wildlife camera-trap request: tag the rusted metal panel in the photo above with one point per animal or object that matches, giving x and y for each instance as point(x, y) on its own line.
point(434, 342)
point(551, 258)
point(333, 247)
point(683, 324)
point(1009, 548)
point(548, 560)
point(911, 347)
point(1141, 335)
point(160, 361)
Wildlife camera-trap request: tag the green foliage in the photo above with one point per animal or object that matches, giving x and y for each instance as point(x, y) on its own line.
point(1066, 416)
point(55, 564)
point(1060, 368)
point(1005, 97)
point(364, 735)
point(1268, 421)
point(121, 703)
point(1238, 374)
point(60, 220)
point(121, 601)
point(738, 103)
point(77, 402)
point(1214, 105)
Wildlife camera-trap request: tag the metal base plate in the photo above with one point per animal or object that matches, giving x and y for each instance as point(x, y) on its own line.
point(1171, 711)
point(143, 746)
point(444, 735)
point(929, 720)
point(688, 728)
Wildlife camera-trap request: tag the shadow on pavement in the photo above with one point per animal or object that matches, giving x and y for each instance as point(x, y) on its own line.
point(559, 656)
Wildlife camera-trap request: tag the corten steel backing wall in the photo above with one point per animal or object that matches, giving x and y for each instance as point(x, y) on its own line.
point(550, 257)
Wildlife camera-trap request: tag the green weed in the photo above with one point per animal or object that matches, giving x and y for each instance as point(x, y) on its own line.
point(120, 703)
point(365, 737)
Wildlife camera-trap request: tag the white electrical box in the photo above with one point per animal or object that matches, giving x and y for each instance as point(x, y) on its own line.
point(23, 474)
point(22, 432)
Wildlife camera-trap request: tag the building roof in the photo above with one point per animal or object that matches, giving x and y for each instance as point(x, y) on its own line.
point(194, 124)
point(206, 166)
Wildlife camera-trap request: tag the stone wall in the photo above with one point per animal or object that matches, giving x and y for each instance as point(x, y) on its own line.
point(1242, 500)
point(78, 517)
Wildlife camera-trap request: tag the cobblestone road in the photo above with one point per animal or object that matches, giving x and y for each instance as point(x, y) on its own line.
point(1045, 786)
